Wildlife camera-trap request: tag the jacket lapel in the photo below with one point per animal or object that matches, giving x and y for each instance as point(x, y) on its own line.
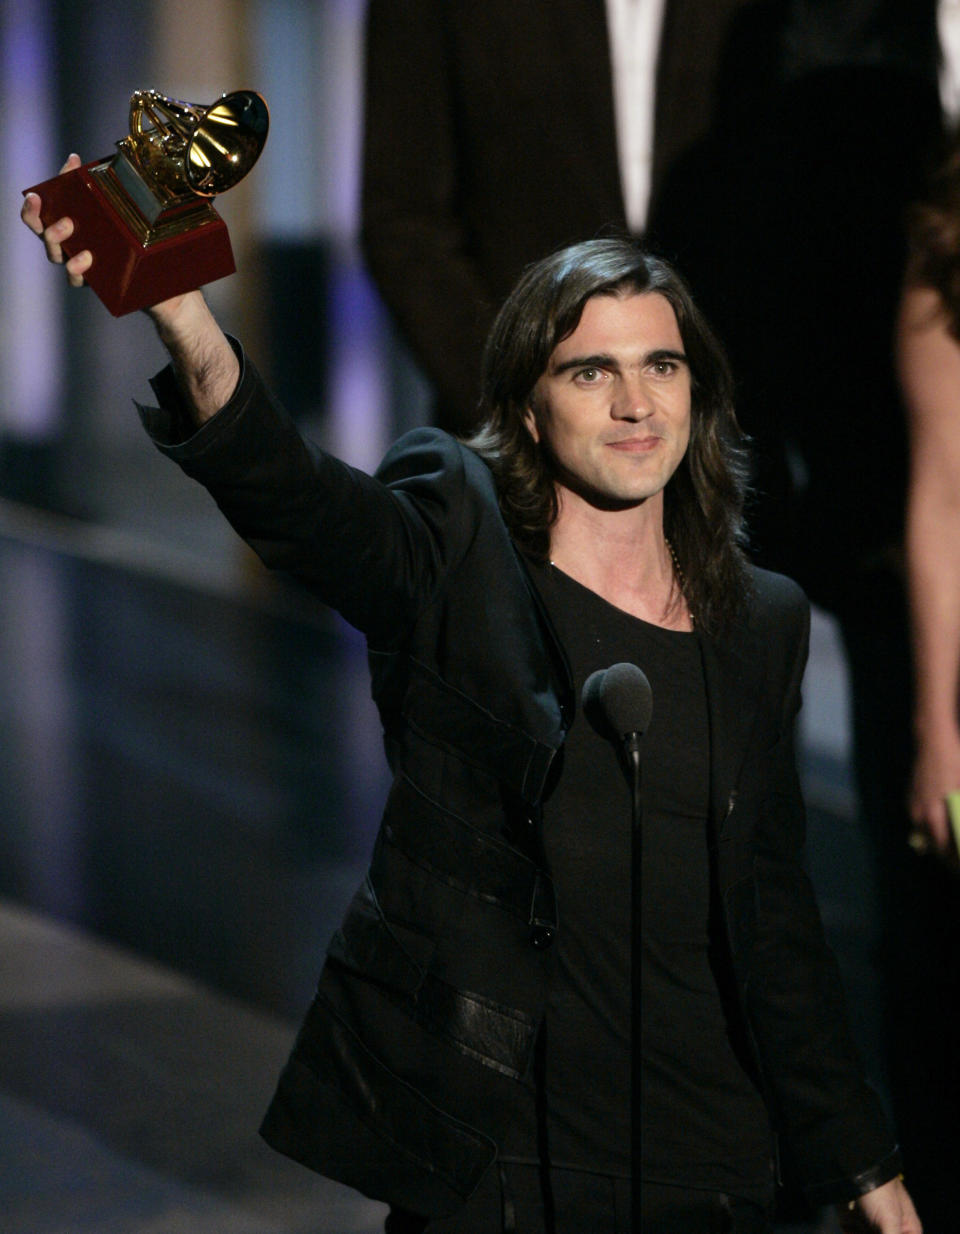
point(733, 672)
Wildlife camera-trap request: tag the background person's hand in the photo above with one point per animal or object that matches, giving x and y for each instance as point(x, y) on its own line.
point(936, 772)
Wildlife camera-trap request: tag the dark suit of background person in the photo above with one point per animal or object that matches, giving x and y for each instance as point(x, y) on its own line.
point(489, 143)
point(789, 137)
point(408, 1063)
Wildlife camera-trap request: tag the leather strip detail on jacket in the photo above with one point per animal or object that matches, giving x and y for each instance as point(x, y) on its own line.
point(543, 906)
point(841, 1190)
point(498, 1036)
point(330, 1065)
point(366, 944)
point(466, 858)
point(447, 718)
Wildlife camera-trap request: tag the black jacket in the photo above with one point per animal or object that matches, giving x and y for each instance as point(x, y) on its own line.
point(428, 1006)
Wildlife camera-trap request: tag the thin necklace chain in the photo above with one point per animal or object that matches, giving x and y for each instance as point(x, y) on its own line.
point(681, 578)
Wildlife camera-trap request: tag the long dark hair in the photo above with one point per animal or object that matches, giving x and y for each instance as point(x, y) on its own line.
point(703, 502)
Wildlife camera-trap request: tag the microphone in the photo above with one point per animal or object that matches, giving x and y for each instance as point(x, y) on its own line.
point(619, 700)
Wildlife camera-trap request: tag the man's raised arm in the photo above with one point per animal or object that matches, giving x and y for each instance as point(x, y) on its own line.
point(205, 364)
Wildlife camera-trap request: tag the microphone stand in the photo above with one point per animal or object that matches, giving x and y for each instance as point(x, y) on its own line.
point(618, 702)
point(631, 747)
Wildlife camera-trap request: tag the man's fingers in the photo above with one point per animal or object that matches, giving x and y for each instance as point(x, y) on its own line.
point(53, 238)
point(77, 267)
point(30, 213)
point(54, 235)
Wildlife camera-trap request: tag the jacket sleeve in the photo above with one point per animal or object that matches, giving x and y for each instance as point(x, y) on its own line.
point(414, 236)
point(376, 548)
point(830, 1120)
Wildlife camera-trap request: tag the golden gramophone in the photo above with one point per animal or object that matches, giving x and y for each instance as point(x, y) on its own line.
point(146, 214)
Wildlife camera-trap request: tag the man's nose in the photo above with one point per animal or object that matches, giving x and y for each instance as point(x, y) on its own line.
point(632, 399)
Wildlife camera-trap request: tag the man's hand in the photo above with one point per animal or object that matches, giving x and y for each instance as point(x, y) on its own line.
point(206, 366)
point(54, 235)
point(888, 1209)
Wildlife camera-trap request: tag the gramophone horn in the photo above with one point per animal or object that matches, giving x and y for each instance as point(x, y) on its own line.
point(226, 143)
point(212, 148)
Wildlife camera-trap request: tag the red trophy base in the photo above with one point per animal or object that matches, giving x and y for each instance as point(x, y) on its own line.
point(132, 271)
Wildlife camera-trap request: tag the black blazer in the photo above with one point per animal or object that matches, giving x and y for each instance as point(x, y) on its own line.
point(429, 1004)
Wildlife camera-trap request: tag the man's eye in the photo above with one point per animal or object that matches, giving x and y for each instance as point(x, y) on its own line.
point(663, 368)
point(589, 375)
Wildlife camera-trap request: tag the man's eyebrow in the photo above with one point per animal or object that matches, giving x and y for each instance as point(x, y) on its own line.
point(666, 353)
point(597, 361)
point(603, 360)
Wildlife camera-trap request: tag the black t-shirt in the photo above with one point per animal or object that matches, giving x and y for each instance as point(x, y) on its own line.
point(703, 1120)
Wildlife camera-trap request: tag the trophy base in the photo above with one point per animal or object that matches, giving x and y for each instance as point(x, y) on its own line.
point(132, 271)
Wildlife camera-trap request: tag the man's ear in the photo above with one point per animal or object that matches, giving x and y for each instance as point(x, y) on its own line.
point(530, 422)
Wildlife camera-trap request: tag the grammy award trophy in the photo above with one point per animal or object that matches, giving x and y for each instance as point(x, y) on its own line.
point(146, 214)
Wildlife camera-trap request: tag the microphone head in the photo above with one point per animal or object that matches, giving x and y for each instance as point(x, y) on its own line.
point(619, 698)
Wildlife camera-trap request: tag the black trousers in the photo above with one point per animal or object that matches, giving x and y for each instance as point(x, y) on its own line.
point(512, 1199)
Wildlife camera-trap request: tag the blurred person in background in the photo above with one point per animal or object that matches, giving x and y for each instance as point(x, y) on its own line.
point(928, 349)
point(926, 944)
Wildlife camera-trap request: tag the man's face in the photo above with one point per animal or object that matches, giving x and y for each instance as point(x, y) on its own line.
point(613, 406)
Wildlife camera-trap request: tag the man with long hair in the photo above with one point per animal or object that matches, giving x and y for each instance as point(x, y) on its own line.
point(703, 504)
point(469, 1052)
